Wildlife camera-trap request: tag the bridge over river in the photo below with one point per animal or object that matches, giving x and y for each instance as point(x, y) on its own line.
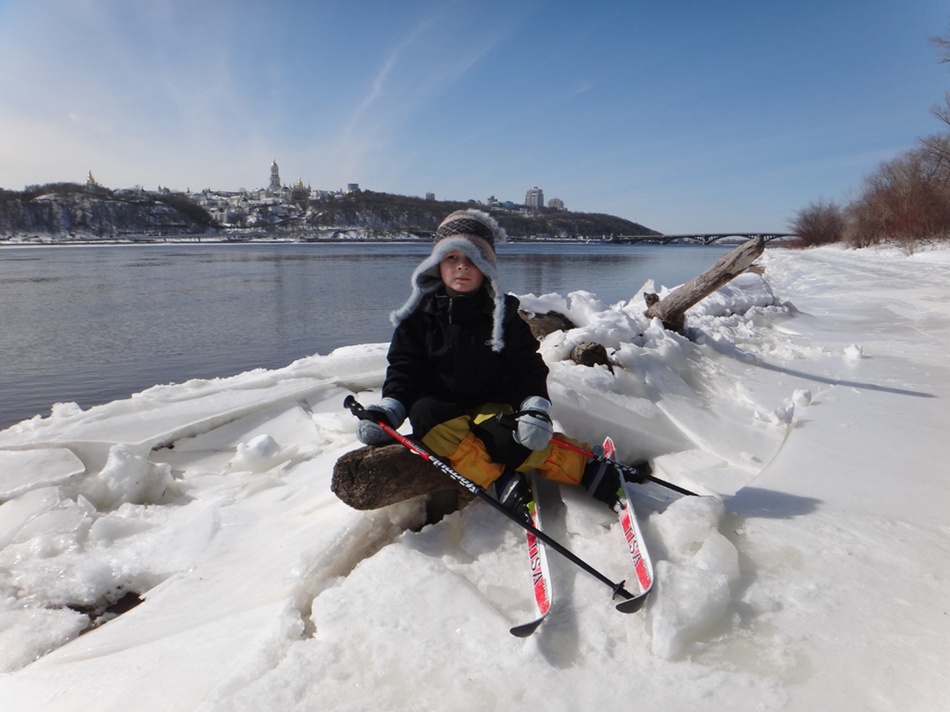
point(701, 238)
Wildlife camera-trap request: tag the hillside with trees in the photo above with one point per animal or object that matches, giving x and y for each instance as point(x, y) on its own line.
point(384, 212)
point(70, 212)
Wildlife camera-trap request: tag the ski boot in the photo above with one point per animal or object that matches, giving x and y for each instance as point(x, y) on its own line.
point(603, 479)
point(513, 493)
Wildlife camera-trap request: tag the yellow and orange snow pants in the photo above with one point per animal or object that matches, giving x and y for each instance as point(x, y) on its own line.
point(454, 441)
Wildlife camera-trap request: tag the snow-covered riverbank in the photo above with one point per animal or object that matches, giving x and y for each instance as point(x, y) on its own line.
point(810, 408)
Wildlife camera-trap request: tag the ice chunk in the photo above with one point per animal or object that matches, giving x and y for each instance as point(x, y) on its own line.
point(686, 524)
point(128, 477)
point(689, 601)
point(259, 454)
point(17, 512)
point(23, 470)
point(854, 352)
point(29, 633)
point(719, 555)
point(693, 582)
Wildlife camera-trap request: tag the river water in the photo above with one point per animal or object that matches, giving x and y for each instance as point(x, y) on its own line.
point(90, 324)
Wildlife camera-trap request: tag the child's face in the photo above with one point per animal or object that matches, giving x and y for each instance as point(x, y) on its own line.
point(459, 274)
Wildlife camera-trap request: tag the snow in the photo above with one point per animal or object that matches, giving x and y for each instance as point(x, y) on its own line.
point(807, 406)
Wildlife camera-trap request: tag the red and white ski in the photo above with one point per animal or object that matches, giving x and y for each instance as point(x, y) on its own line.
point(642, 565)
point(540, 576)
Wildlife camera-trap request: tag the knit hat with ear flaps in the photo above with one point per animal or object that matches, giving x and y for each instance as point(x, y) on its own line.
point(475, 234)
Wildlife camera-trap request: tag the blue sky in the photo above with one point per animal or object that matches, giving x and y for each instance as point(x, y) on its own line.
point(683, 116)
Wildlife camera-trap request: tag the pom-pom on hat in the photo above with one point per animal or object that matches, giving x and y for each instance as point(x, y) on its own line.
point(475, 234)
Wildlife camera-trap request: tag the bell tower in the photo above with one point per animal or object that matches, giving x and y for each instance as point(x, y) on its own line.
point(274, 178)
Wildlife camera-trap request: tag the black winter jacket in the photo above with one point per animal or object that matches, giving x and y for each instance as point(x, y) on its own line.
point(443, 350)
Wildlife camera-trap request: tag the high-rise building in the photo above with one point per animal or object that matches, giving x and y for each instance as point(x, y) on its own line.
point(534, 197)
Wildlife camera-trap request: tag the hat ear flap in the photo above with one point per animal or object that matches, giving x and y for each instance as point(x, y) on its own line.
point(425, 278)
point(498, 324)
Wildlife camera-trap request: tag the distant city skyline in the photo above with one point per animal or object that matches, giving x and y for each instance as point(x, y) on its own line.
point(694, 117)
point(534, 197)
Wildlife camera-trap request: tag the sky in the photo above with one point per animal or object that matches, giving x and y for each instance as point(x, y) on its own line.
point(685, 117)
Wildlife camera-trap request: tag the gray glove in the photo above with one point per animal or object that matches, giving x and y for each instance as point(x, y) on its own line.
point(534, 431)
point(388, 410)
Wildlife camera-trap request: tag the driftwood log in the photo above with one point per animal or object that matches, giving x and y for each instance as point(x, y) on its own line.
point(590, 353)
point(374, 477)
point(543, 324)
point(672, 310)
point(587, 353)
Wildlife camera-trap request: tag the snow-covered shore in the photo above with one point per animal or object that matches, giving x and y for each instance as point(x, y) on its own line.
point(809, 408)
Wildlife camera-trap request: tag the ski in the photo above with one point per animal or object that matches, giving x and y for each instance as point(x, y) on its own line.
point(540, 576)
point(642, 565)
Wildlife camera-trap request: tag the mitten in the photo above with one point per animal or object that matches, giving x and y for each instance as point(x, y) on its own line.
point(389, 410)
point(533, 428)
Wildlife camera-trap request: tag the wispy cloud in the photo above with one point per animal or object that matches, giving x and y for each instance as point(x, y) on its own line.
point(409, 79)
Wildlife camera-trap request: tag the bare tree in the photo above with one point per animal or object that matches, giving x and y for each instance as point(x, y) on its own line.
point(942, 111)
point(819, 223)
point(942, 43)
point(906, 200)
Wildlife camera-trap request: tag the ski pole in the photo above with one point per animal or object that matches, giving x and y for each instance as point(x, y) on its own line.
point(354, 406)
point(509, 420)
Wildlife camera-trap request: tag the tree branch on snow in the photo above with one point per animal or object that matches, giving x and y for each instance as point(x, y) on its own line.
point(672, 309)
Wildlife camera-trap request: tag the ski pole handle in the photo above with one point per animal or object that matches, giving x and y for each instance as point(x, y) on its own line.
point(357, 409)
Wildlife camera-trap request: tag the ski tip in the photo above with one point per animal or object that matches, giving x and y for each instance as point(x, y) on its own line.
point(526, 629)
point(632, 605)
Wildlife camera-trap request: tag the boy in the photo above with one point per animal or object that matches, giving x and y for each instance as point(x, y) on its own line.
point(459, 357)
